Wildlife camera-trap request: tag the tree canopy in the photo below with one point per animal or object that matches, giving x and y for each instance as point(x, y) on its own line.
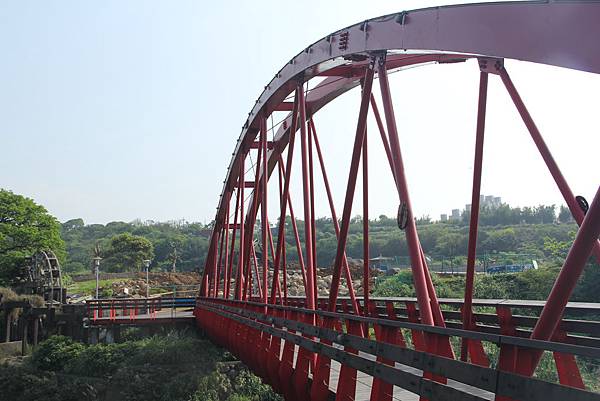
point(127, 252)
point(176, 243)
point(25, 228)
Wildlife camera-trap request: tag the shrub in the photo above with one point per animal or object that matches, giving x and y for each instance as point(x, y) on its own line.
point(250, 387)
point(213, 387)
point(398, 285)
point(23, 384)
point(100, 360)
point(244, 387)
point(54, 353)
point(174, 348)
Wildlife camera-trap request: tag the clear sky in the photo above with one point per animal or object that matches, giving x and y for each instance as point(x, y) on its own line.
point(117, 110)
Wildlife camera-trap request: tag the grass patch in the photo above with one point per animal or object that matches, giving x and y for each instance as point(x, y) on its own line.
point(89, 287)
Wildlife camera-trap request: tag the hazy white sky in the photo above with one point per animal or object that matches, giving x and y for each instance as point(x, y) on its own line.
point(118, 110)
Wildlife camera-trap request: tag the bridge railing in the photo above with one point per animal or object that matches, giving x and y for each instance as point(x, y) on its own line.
point(392, 349)
point(133, 308)
point(580, 324)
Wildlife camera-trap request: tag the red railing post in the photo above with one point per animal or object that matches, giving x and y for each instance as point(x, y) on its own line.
point(382, 390)
point(303, 364)
point(566, 364)
point(346, 389)
point(286, 368)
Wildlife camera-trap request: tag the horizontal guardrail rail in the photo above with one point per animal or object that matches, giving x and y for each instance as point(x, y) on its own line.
point(132, 308)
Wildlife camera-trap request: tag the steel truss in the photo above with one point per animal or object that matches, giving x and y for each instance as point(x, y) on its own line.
point(352, 57)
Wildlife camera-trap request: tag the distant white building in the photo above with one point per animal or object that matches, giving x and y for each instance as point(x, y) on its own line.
point(488, 201)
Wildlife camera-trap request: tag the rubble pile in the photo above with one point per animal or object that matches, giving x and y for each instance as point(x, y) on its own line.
point(295, 282)
point(157, 282)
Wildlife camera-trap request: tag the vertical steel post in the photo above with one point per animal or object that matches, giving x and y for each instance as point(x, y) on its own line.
point(251, 217)
point(365, 193)
point(308, 245)
point(286, 190)
point(360, 134)
point(97, 271)
point(240, 270)
point(226, 283)
point(220, 259)
point(282, 203)
point(298, 244)
point(336, 224)
point(276, 288)
point(476, 191)
point(313, 226)
point(295, 230)
point(256, 274)
point(263, 208)
point(560, 180)
point(411, 229)
point(226, 249)
point(285, 286)
point(214, 259)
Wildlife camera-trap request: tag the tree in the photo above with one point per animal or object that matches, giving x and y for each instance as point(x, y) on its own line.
point(25, 228)
point(564, 215)
point(73, 224)
point(127, 252)
point(423, 220)
point(546, 214)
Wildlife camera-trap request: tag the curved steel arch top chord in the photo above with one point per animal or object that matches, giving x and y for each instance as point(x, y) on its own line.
point(559, 33)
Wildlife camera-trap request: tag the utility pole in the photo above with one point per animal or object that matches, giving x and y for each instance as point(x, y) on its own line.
point(147, 264)
point(97, 260)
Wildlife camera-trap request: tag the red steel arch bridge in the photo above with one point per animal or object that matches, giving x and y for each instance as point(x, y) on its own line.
point(359, 347)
